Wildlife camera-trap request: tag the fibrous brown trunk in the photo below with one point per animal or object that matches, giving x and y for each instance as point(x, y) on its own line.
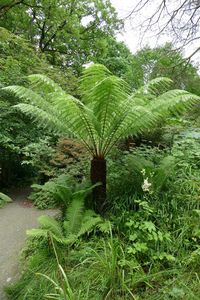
point(98, 175)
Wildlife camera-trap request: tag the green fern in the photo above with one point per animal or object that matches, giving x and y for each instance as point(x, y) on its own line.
point(77, 222)
point(74, 216)
point(4, 199)
point(107, 113)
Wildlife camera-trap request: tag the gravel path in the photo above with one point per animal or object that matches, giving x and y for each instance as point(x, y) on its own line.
point(15, 219)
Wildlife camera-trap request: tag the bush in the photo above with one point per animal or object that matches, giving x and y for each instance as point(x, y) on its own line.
point(55, 192)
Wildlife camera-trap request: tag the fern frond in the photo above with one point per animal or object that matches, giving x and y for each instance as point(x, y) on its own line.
point(4, 199)
point(63, 193)
point(37, 232)
point(132, 121)
point(105, 226)
point(78, 117)
point(43, 119)
point(90, 78)
point(25, 94)
point(50, 224)
point(154, 86)
point(44, 83)
point(107, 112)
point(174, 101)
point(74, 216)
point(90, 220)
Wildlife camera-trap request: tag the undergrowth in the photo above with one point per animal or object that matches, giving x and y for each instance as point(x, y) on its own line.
point(149, 249)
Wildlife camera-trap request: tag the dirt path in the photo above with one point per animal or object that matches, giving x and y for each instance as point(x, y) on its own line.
point(15, 219)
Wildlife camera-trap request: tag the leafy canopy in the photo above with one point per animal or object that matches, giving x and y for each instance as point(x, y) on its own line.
point(108, 111)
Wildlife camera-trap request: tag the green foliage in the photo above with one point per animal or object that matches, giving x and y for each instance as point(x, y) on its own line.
point(152, 251)
point(166, 61)
point(56, 192)
point(53, 193)
point(63, 291)
point(133, 169)
point(109, 113)
point(144, 237)
point(17, 134)
point(4, 199)
point(77, 221)
point(69, 33)
point(30, 286)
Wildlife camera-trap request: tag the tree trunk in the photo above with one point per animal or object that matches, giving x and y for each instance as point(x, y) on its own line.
point(98, 175)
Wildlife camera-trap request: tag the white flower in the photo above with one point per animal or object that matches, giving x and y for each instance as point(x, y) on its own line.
point(143, 172)
point(87, 65)
point(146, 185)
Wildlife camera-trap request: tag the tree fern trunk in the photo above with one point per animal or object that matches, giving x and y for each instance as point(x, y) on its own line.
point(98, 174)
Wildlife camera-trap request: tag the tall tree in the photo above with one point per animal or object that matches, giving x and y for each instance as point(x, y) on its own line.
point(108, 112)
point(166, 61)
point(120, 61)
point(18, 59)
point(69, 31)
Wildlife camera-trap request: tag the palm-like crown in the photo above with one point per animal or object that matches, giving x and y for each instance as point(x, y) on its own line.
point(107, 111)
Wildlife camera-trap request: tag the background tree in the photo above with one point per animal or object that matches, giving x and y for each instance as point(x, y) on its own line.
point(108, 112)
point(164, 61)
point(121, 62)
point(17, 60)
point(149, 63)
point(69, 32)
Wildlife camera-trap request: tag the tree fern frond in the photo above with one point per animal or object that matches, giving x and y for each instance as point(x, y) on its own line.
point(34, 99)
point(90, 78)
point(154, 86)
point(44, 84)
point(78, 117)
point(43, 118)
point(108, 111)
point(134, 121)
point(172, 101)
point(24, 93)
point(106, 98)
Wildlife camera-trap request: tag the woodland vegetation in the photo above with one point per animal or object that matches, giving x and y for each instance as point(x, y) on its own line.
point(111, 139)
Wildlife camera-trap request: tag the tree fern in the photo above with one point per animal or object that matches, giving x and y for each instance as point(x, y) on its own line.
point(107, 113)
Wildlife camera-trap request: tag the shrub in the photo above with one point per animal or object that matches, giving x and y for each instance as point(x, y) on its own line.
point(54, 192)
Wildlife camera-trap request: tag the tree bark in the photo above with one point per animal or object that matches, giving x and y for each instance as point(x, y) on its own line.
point(98, 175)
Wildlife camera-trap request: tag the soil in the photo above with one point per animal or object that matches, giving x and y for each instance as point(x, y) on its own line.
point(15, 219)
